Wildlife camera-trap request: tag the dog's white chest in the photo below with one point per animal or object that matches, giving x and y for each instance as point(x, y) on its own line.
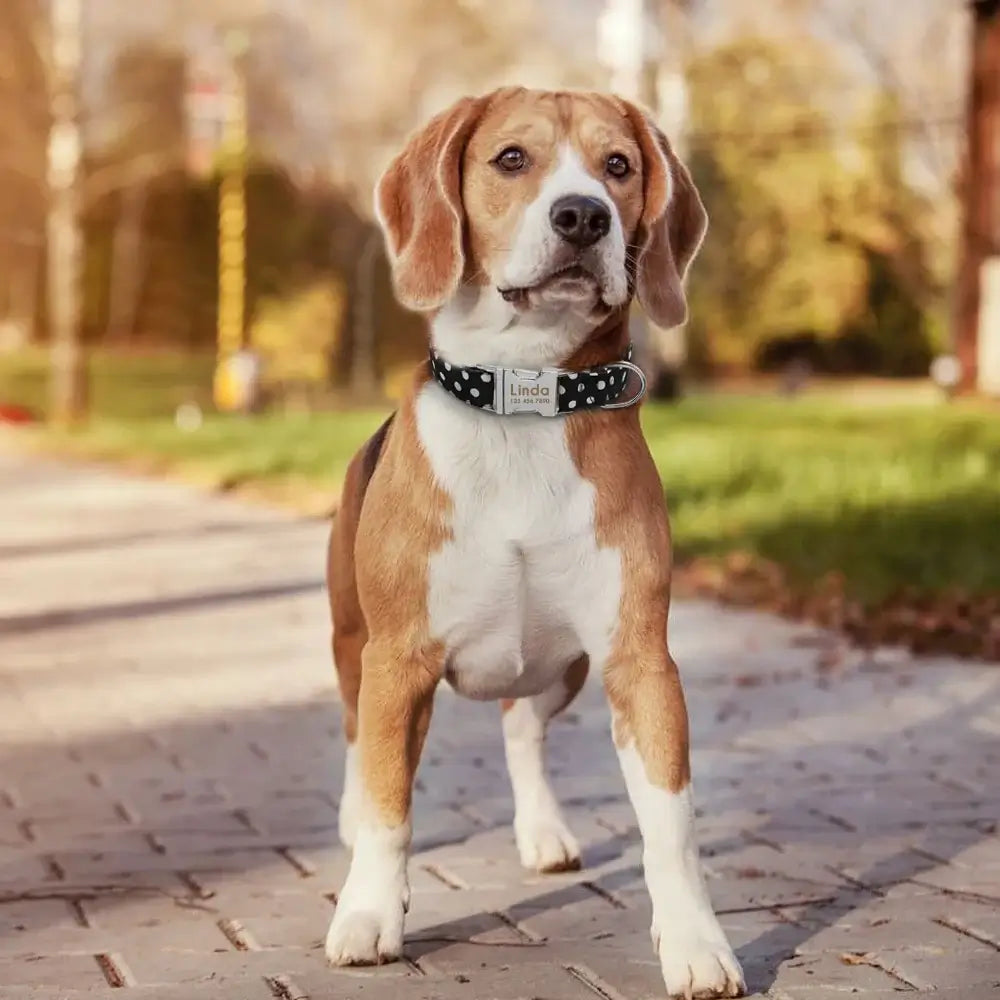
point(521, 588)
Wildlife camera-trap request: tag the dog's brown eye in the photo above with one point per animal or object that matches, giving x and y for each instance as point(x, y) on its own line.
point(511, 159)
point(617, 165)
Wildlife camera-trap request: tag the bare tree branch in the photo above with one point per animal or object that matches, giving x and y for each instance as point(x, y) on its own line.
point(874, 47)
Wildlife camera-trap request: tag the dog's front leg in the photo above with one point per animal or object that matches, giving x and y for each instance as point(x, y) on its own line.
point(650, 729)
point(394, 710)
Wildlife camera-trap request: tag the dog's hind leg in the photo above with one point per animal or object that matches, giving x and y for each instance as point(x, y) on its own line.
point(348, 641)
point(543, 839)
point(347, 647)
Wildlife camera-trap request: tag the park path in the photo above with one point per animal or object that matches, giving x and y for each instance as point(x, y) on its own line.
point(169, 771)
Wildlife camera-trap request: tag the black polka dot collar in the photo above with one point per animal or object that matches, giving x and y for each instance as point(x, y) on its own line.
point(549, 392)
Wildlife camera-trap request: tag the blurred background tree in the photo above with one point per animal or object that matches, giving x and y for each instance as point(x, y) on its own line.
point(824, 135)
point(25, 115)
point(819, 242)
point(768, 166)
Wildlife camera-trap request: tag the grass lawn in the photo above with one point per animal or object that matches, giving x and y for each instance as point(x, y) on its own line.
point(891, 497)
point(299, 459)
point(123, 386)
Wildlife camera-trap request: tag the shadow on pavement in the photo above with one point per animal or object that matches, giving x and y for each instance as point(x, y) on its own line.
point(188, 812)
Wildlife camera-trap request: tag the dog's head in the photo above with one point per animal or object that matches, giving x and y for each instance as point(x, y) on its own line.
point(545, 205)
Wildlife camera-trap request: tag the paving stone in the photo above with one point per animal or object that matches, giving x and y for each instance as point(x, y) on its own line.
point(26, 915)
point(882, 934)
point(50, 970)
point(56, 940)
point(523, 981)
point(165, 882)
point(154, 967)
point(578, 914)
point(930, 968)
point(830, 971)
point(498, 948)
point(247, 990)
point(20, 867)
point(976, 921)
point(630, 975)
point(107, 864)
point(982, 882)
point(899, 993)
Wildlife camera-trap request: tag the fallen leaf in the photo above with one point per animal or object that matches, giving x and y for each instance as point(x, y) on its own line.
point(856, 958)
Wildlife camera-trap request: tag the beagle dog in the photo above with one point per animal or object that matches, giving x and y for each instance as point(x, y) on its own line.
point(506, 530)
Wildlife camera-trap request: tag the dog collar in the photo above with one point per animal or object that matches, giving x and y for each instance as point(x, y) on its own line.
point(549, 392)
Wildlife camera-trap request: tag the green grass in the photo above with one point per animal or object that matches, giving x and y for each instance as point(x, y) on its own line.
point(276, 453)
point(893, 494)
point(122, 386)
point(893, 497)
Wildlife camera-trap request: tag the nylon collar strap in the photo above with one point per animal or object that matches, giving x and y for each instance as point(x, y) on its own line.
point(550, 392)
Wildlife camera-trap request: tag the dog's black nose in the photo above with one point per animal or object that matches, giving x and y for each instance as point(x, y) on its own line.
point(580, 220)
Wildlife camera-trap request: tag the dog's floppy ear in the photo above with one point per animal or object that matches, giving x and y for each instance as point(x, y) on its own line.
point(672, 226)
point(418, 201)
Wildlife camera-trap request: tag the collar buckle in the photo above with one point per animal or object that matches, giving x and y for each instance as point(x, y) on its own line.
point(524, 390)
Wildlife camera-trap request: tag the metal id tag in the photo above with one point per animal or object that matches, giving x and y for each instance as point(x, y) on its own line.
point(524, 391)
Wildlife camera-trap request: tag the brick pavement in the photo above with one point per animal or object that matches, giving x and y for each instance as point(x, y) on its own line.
point(169, 772)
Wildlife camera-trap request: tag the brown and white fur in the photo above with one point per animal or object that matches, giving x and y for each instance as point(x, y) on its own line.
point(508, 554)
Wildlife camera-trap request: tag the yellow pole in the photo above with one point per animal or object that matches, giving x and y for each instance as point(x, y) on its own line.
point(232, 236)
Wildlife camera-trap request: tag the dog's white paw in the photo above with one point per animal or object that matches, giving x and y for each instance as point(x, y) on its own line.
point(365, 937)
point(545, 844)
point(696, 964)
point(369, 930)
point(367, 926)
point(349, 811)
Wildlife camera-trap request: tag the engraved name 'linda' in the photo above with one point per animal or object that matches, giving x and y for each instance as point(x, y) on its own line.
point(529, 390)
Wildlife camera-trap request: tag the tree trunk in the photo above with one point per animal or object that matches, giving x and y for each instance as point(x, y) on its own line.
point(68, 373)
point(364, 358)
point(980, 237)
point(127, 264)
